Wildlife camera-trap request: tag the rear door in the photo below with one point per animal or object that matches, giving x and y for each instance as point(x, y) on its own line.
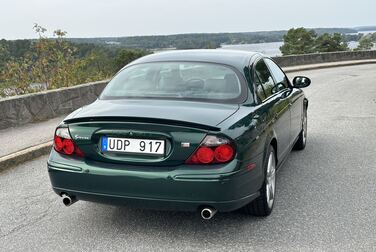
point(294, 97)
point(274, 94)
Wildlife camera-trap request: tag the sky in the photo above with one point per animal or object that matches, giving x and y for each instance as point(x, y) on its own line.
point(115, 18)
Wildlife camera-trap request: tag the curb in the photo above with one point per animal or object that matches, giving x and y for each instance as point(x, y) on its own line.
point(327, 65)
point(33, 152)
point(24, 155)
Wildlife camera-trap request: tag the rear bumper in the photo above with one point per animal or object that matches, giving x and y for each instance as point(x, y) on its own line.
point(225, 187)
point(158, 204)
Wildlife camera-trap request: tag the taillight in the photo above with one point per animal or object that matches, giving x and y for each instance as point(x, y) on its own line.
point(64, 144)
point(213, 150)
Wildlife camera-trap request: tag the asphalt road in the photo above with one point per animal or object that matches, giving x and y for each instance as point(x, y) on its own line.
point(326, 193)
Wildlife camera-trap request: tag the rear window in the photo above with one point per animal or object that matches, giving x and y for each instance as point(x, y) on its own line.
point(175, 80)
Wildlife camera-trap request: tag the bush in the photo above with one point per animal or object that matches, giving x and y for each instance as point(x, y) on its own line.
point(53, 63)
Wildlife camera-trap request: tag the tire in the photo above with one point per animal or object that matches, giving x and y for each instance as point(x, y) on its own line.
point(302, 139)
point(263, 205)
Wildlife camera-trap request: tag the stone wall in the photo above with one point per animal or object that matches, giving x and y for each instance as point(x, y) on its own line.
point(317, 58)
point(19, 110)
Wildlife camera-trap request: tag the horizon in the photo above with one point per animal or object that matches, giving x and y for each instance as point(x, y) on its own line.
point(50, 31)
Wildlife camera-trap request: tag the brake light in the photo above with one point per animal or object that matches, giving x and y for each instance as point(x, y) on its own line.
point(64, 144)
point(223, 153)
point(205, 155)
point(68, 146)
point(213, 150)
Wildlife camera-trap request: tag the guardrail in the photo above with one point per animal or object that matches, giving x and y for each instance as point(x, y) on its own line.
point(19, 110)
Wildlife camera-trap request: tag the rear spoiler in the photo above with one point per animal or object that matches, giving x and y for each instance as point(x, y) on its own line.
point(142, 120)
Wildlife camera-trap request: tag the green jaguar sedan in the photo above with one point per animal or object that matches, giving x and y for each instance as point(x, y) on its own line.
point(195, 130)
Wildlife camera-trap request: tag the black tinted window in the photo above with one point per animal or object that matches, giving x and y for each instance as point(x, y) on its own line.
point(263, 77)
point(179, 80)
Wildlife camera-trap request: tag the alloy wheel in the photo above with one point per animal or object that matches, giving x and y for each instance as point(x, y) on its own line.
point(270, 180)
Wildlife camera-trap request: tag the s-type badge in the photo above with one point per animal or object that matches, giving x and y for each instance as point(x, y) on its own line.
point(81, 137)
point(185, 145)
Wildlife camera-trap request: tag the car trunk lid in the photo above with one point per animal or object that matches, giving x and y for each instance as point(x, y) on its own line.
point(181, 126)
point(210, 114)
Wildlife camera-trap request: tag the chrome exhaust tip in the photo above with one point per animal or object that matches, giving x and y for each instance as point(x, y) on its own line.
point(207, 213)
point(68, 200)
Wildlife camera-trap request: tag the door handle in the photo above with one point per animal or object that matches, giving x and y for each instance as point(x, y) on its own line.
point(286, 94)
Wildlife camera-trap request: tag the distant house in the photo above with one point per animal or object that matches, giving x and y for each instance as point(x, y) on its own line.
point(112, 43)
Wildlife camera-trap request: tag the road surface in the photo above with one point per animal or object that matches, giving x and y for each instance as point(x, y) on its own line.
point(326, 198)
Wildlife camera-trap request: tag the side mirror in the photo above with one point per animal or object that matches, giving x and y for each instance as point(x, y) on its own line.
point(301, 82)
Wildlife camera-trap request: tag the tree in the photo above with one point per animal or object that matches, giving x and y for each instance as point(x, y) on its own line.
point(98, 63)
point(330, 43)
point(50, 62)
point(125, 56)
point(4, 55)
point(372, 37)
point(53, 60)
point(299, 41)
point(30, 66)
point(365, 43)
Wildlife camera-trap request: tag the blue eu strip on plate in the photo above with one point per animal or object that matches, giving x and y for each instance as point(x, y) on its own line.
point(104, 143)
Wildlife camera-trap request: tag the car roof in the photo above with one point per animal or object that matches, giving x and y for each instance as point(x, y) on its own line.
point(234, 58)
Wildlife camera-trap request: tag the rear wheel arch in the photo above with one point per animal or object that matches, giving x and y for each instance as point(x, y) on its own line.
point(270, 141)
point(273, 143)
point(300, 143)
point(263, 205)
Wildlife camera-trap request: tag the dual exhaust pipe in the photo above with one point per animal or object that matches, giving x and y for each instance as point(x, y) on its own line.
point(206, 213)
point(68, 200)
